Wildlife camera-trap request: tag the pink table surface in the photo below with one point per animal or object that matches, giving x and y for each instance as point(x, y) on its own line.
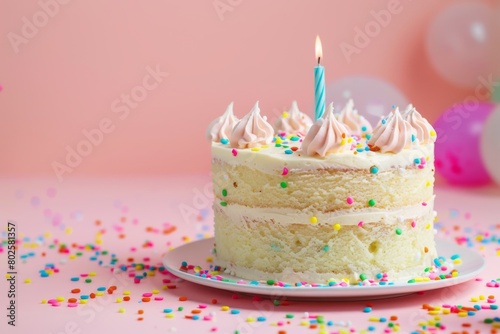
point(141, 219)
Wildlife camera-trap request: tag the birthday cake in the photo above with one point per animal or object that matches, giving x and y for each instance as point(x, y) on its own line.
point(330, 201)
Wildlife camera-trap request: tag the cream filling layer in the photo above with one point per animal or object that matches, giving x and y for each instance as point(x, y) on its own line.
point(272, 159)
point(239, 213)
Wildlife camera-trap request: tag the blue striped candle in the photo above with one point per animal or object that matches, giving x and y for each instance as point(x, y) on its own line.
point(319, 83)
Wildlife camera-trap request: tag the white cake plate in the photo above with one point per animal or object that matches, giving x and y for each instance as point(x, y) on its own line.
point(197, 252)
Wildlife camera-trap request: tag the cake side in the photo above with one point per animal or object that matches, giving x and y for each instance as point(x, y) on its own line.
point(321, 226)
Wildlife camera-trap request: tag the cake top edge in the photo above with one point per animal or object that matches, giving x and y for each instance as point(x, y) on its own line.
point(332, 133)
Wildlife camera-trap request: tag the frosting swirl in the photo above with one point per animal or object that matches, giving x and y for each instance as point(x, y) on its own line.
point(327, 135)
point(293, 121)
point(253, 130)
point(354, 121)
point(405, 113)
point(222, 126)
point(424, 131)
point(393, 134)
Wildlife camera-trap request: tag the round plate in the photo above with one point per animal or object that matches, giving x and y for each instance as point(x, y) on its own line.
point(197, 253)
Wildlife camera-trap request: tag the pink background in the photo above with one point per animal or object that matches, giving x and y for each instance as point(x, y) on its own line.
point(67, 76)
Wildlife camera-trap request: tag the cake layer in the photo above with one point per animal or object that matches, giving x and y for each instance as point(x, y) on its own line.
point(259, 248)
point(322, 190)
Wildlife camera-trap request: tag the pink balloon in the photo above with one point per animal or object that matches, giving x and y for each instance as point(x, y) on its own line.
point(458, 154)
point(460, 43)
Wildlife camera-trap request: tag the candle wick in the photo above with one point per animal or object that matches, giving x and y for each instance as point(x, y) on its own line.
point(319, 58)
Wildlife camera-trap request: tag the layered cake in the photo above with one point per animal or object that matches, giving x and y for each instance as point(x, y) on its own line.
point(326, 201)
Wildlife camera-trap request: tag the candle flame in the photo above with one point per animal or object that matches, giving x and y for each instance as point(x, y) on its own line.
point(319, 49)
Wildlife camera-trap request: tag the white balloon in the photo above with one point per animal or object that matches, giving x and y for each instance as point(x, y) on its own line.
point(373, 97)
point(460, 43)
point(490, 145)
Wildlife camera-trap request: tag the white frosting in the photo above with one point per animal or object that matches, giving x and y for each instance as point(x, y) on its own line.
point(272, 159)
point(252, 130)
point(392, 135)
point(353, 120)
point(408, 108)
point(237, 213)
point(294, 121)
point(222, 126)
point(327, 135)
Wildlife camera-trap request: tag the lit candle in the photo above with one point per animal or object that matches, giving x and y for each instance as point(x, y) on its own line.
point(319, 82)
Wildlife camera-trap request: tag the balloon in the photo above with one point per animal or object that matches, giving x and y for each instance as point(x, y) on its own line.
point(459, 130)
point(490, 144)
point(460, 43)
point(372, 97)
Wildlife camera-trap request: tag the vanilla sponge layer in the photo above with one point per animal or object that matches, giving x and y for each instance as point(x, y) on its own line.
point(324, 190)
point(259, 249)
